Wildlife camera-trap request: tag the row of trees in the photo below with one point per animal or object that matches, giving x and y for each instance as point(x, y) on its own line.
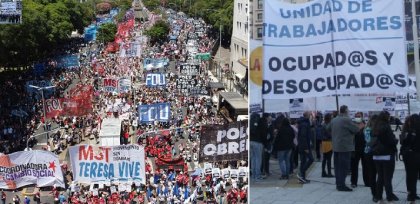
point(47, 26)
point(215, 12)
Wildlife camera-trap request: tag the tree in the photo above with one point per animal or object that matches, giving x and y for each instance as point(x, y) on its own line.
point(106, 33)
point(46, 25)
point(158, 32)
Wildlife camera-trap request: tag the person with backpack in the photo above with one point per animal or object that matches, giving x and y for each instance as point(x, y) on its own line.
point(384, 150)
point(326, 147)
point(410, 151)
point(369, 163)
point(358, 154)
point(283, 144)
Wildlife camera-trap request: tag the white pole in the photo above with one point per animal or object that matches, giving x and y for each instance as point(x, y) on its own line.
point(416, 46)
point(220, 46)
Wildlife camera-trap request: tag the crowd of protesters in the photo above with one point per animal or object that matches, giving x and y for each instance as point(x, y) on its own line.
point(349, 141)
point(175, 139)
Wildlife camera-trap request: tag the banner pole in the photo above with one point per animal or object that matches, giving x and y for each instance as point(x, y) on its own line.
point(334, 68)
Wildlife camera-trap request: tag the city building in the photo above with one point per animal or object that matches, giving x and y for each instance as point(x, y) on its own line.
point(239, 48)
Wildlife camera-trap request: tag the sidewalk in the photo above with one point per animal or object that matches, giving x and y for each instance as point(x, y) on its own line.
point(320, 190)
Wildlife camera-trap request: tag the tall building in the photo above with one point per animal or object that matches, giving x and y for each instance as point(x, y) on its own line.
point(239, 47)
point(256, 19)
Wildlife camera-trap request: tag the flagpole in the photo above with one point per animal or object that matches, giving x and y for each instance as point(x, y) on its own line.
point(416, 46)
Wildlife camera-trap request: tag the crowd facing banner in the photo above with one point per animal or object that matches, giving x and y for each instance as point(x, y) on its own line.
point(190, 69)
point(155, 79)
point(98, 163)
point(121, 85)
point(154, 112)
point(36, 167)
point(224, 142)
point(68, 61)
point(346, 47)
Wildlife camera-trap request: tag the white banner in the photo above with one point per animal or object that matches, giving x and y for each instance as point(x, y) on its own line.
point(329, 46)
point(19, 169)
point(92, 163)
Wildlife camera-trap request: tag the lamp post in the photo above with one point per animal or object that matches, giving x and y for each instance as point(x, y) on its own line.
point(43, 105)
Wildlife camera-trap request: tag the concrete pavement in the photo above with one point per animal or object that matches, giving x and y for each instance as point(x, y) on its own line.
point(320, 190)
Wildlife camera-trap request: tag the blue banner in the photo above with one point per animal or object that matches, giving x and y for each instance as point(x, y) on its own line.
point(155, 79)
point(159, 111)
point(150, 63)
point(39, 69)
point(90, 32)
point(68, 61)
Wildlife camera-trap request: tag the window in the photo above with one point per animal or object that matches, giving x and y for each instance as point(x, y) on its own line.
point(259, 17)
point(259, 32)
point(260, 4)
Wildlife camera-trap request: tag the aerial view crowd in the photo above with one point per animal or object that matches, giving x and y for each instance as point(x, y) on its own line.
point(126, 80)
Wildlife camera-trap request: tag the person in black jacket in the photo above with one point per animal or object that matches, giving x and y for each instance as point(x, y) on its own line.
point(304, 148)
point(384, 156)
point(410, 150)
point(283, 143)
point(268, 146)
point(258, 127)
point(357, 156)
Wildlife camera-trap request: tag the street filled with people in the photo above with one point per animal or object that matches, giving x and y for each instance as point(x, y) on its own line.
point(117, 80)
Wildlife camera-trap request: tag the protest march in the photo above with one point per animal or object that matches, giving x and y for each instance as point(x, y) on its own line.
point(128, 121)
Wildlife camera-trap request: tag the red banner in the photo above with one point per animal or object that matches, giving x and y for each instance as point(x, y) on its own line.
point(81, 91)
point(77, 106)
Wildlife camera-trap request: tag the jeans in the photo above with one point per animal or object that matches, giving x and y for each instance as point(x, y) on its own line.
point(385, 170)
point(284, 161)
point(256, 158)
point(306, 159)
point(341, 167)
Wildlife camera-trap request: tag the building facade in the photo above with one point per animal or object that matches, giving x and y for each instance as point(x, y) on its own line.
point(239, 48)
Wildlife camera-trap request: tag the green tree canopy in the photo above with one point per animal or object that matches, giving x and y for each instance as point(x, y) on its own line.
point(106, 33)
point(158, 32)
point(46, 25)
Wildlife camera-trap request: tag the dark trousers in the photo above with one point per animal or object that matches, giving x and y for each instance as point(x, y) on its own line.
point(412, 167)
point(371, 173)
point(306, 159)
point(326, 161)
point(355, 160)
point(265, 167)
point(385, 173)
point(294, 159)
point(318, 149)
point(341, 167)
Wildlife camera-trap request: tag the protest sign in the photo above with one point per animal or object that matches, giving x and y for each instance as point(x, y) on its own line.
point(191, 86)
point(99, 163)
point(124, 85)
point(346, 47)
point(155, 79)
point(224, 142)
point(189, 69)
point(19, 169)
point(159, 111)
point(110, 85)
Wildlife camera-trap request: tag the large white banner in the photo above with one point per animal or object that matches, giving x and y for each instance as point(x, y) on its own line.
point(98, 163)
point(330, 46)
point(19, 169)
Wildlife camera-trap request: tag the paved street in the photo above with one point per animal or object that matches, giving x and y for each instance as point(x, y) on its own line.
point(320, 190)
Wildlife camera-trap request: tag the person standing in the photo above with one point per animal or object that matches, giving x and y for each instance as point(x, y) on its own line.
point(304, 148)
point(268, 139)
point(358, 154)
point(342, 132)
point(369, 163)
point(384, 150)
point(326, 147)
point(410, 150)
point(27, 200)
point(256, 145)
point(283, 144)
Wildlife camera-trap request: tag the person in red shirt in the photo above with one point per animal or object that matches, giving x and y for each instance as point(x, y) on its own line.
point(126, 136)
